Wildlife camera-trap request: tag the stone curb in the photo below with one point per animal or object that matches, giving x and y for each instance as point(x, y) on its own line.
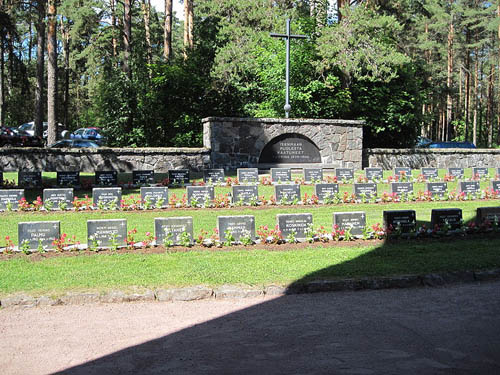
point(195, 293)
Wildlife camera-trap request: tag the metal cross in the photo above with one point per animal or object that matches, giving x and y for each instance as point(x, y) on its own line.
point(287, 37)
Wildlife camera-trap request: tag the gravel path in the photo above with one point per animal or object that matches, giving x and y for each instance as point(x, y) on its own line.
point(451, 330)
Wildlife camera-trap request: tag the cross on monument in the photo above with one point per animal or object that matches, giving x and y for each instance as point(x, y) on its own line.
point(287, 37)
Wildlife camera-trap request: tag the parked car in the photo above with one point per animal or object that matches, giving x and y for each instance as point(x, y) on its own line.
point(91, 133)
point(9, 137)
point(451, 145)
point(74, 143)
point(29, 128)
point(18, 138)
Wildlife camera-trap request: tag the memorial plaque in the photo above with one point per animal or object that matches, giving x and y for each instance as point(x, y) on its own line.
point(143, 177)
point(405, 219)
point(374, 174)
point(10, 197)
point(429, 173)
point(247, 175)
point(369, 189)
point(106, 233)
point(452, 215)
point(34, 234)
point(172, 228)
point(401, 187)
point(281, 174)
point(178, 176)
point(71, 179)
point(491, 214)
point(238, 226)
point(56, 197)
point(29, 179)
point(402, 170)
point(287, 192)
point(356, 221)
point(480, 172)
point(456, 172)
point(437, 188)
point(155, 195)
point(344, 173)
point(106, 178)
point(201, 194)
point(213, 175)
point(298, 223)
point(323, 191)
point(470, 187)
point(106, 196)
point(495, 185)
point(313, 174)
point(245, 193)
point(290, 148)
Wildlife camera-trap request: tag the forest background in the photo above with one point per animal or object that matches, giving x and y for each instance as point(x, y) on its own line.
point(147, 76)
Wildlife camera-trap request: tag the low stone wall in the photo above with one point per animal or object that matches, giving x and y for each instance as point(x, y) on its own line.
point(439, 158)
point(239, 142)
point(91, 160)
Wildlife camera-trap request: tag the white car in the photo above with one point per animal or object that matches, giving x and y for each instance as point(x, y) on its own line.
point(29, 128)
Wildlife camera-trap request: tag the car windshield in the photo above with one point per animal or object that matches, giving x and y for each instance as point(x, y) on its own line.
point(27, 126)
point(79, 131)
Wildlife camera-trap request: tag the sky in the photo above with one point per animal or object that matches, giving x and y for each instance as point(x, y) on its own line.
point(159, 5)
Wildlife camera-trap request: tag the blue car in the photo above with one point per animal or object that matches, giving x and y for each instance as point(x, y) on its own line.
point(451, 145)
point(93, 134)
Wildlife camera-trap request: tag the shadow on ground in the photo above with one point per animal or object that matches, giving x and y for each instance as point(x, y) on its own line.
point(452, 330)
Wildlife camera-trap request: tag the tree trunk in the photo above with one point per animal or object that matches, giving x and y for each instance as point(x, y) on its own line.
point(498, 85)
point(476, 84)
point(340, 5)
point(188, 26)
point(40, 68)
point(489, 106)
point(146, 12)
point(2, 83)
point(65, 40)
point(127, 37)
point(114, 41)
point(52, 72)
point(167, 34)
point(449, 80)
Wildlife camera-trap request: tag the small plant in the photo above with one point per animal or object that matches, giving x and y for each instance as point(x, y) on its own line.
point(147, 204)
point(49, 204)
point(113, 241)
point(348, 235)
point(62, 205)
point(337, 232)
point(25, 246)
point(8, 206)
point(229, 238)
point(194, 202)
point(377, 231)
point(160, 202)
point(130, 240)
point(292, 237)
point(310, 235)
point(267, 235)
point(37, 204)
point(185, 239)
point(9, 245)
point(101, 204)
point(246, 238)
point(254, 200)
point(94, 243)
point(148, 239)
point(113, 204)
point(168, 241)
point(40, 247)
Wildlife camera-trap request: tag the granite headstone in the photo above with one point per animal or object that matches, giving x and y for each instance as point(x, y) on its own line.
point(368, 189)
point(57, 197)
point(178, 176)
point(146, 177)
point(297, 223)
point(200, 194)
point(106, 233)
point(106, 178)
point(325, 190)
point(451, 215)
point(34, 234)
point(10, 197)
point(405, 219)
point(155, 195)
point(29, 179)
point(69, 179)
point(247, 175)
point(106, 196)
point(374, 173)
point(281, 175)
point(172, 228)
point(244, 193)
point(287, 192)
point(213, 175)
point(437, 188)
point(313, 174)
point(238, 226)
point(356, 221)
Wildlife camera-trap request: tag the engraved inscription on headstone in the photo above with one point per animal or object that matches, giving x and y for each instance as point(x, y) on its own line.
point(200, 194)
point(58, 197)
point(28, 179)
point(71, 179)
point(238, 226)
point(356, 221)
point(297, 223)
point(106, 178)
point(143, 177)
point(106, 196)
point(406, 171)
point(401, 187)
point(374, 173)
point(491, 214)
point(437, 188)
point(290, 148)
point(367, 190)
point(156, 196)
point(495, 185)
point(344, 173)
point(287, 192)
point(470, 187)
point(247, 175)
point(281, 174)
point(245, 193)
point(178, 176)
point(456, 172)
point(106, 233)
point(480, 172)
point(323, 191)
point(40, 233)
point(313, 174)
point(213, 175)
point(453, 216)
point(171, 229)
point(10, 198)
point(406, 220)
point(429, 173)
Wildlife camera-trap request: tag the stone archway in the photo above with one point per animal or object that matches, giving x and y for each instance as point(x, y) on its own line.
point(290, 148)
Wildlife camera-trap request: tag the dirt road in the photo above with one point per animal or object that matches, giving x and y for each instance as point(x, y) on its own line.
point(451, 330)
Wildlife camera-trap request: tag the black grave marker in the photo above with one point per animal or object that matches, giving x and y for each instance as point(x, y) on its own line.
point(200, 194)
point(401, 187)
point(178, 176)
point(171, 228)
point(290, 148)
point(245, 193)
point(368, 189)
point(238, 226)
point(313, 174)
point(106, 178)
point(344, 173)
point(213, 175)
point(297, 223)
point(356, 221)
point(406, 220)
point(470, 187)
point(70, 179)
point(106, 196)
point(287, 192)
point(456, 172)
point(143, 177)
point(480, 172)
point(495, 185)
point(106, 233)
point(57, 197)
point(155, 196)
point(28, 179)
point(10, 197)
point(41, 233)
point(323, 191)
point(437, 188)
point(453, 216)
point(374, 173)
point(491, 214)
point(247, 175)
point(429, 173)
point(405, 171)
point(281, 175)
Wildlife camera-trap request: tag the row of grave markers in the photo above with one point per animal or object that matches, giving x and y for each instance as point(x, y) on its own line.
point(157, 196)
point(104, 233)
point(248, 175)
